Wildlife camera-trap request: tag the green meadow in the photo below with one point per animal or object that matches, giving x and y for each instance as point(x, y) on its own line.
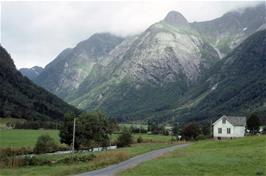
point(27, 138)
point(23, 138)
point(237, 157)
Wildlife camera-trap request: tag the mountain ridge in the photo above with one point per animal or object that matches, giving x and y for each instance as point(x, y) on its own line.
point(144, 75)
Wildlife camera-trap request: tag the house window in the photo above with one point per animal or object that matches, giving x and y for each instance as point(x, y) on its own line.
point(219, 130)
point(224, 121)
point(228, 130)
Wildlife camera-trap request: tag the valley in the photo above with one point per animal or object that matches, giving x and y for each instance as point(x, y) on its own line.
point(155, 74)
point(127, 88)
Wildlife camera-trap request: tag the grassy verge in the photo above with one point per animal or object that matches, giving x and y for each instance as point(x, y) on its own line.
point(102, 159)
point(245, 157)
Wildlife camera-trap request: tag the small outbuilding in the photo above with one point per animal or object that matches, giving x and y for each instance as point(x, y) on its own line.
point(229, 127)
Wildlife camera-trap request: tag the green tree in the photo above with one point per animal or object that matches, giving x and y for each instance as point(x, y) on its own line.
point(176, 129)
point(191, 131)
point(253, 124)
point(93, 130)
point(66, 130)
point(125, 139)
point(45, 144)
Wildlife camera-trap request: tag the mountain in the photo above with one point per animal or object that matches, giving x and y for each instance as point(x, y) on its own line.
point(31, 73)
point(236, 85)
point(20, 98)
point(160, 73)
point(72, 66)
point(228, 31)
point(149, 71)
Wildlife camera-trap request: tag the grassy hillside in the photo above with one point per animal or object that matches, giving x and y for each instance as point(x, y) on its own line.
point(245, 157)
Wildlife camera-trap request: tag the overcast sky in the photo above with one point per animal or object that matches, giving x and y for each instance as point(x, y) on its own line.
point(34, 33)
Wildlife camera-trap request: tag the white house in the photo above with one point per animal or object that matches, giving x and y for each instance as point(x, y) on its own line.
point(229, 127)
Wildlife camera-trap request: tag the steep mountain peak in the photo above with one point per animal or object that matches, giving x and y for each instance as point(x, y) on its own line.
point(176, 18)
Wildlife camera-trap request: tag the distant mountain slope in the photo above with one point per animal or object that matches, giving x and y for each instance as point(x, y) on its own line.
point(232, 28)
point(236, 85)
point(31, 73)
point(158, 73)
point(72, 66)
point(20, 98)
point(153, 70)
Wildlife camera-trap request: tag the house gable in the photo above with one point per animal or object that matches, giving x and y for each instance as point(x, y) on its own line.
point(233, 120)
point(229, 126)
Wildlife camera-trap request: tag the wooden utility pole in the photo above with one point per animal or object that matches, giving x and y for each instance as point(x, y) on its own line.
point(74, 131)
point(211, 130)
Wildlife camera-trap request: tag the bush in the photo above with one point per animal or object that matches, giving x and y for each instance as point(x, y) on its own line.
point(15, 151)
point(35, 161)
point(139, 139)
point(125, 139)
point(77, 159)
point(191, 131)
point(202, 137)
point(45, 144)
point(253, 124)
point(19, 161)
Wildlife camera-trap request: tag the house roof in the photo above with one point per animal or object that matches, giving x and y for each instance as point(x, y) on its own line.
point(234, 120)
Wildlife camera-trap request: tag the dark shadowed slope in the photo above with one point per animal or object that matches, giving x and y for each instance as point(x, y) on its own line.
point(20, 98)
point(236, 85)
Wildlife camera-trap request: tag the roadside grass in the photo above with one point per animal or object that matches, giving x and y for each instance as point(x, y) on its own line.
point(15, 138)
point(102, 159)
point(237, 157)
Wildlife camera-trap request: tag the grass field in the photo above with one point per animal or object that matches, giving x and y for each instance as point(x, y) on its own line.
point(237, 157)
point(102, 159)
point(27, 138)
point(23, 138)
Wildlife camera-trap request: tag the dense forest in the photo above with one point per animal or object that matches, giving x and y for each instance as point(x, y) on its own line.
point(21, 98)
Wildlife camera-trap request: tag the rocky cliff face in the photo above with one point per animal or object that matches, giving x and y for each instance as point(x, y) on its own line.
point(228, 31)
point(72, 66)
point(167, 58)
point(235, 85)
point(151, 73)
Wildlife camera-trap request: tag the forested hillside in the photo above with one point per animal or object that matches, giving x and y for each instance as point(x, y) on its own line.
point(20, 98)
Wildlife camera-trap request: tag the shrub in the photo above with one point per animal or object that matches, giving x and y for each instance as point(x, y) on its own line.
point(191, 131)
point(253, 124)
point(125, 139)
point(45, 144)
point(77, 159)
point(139, 139)
point(202, 137)
point(19, 161)
point(15, 151)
